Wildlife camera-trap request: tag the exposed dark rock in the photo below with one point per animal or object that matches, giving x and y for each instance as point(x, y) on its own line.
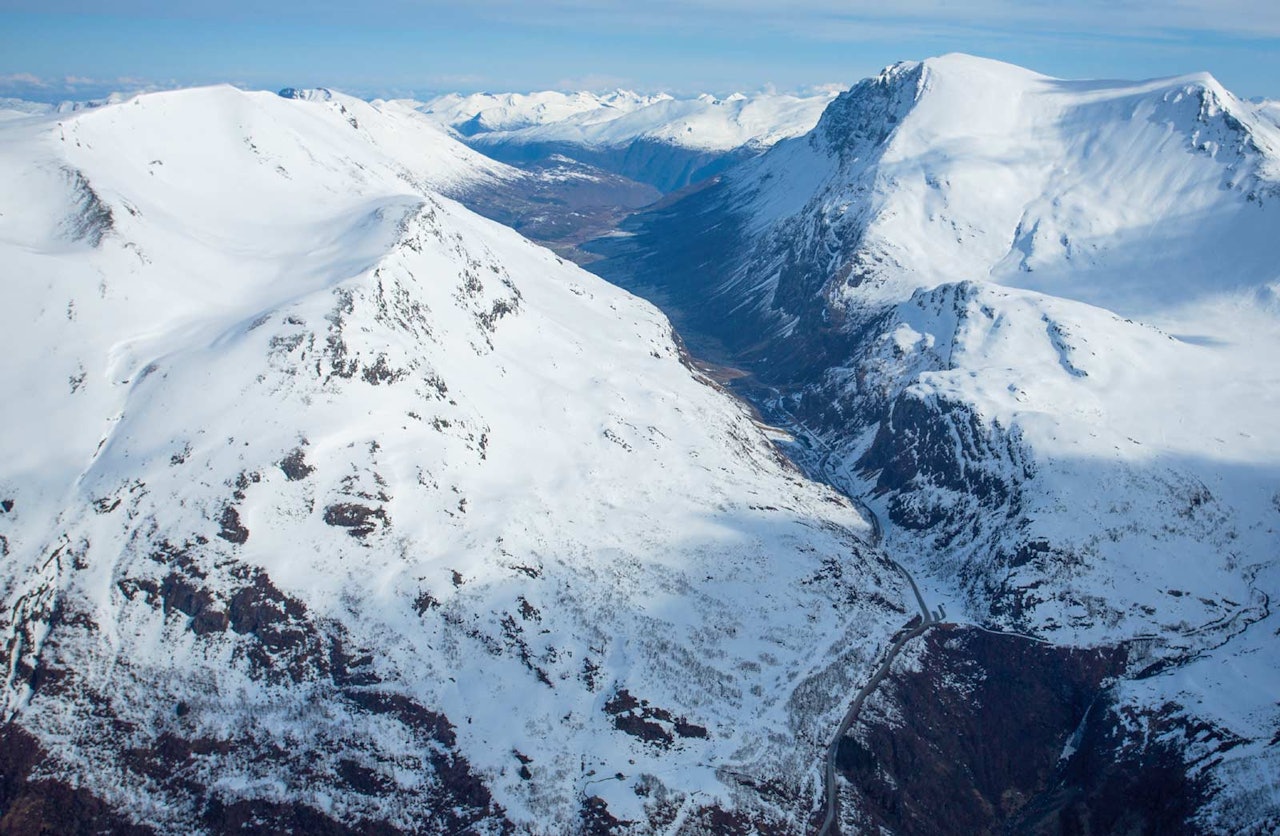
point(596, 820)
point(361, 778)
point(264, 818)
point(685, 729)
point(982, 730)
point(1119, 783)
point(231, 529)
point(513, 633)
point(278, 640)
point(528, 611)
point(424, 602)
point(864, 116)
point(647, 722)
point(348, 666)
point(934, 442)
point(426, 722)
point(242, 483)
point(295, 466)
point(43, 806)
point(90, 219)
point(721, 822)
point(525, 773)
point(380, 371)
point(488, 320)
point(359, 520)
point(590, 674)
point(179, 593)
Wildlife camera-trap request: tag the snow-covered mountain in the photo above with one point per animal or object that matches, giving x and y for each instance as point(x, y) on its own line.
point(703, 122)
point(660, 140)
point(500, 112)
point(14, 108)
point(1034, 323)
point(327, 505)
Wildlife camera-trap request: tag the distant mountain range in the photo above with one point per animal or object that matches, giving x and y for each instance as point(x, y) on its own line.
point(660, 140)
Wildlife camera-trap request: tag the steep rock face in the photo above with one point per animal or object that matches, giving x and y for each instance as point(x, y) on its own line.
point(958, 169)
point(997, 304)
point(768, 264)
point(1077, 763)
point(333, 507)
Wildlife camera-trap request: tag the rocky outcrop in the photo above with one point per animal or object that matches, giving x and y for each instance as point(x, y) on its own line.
point(175, 743)
point(987, 733)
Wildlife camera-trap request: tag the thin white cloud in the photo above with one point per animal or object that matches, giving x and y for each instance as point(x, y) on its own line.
point(22, 79)
point(23, 85)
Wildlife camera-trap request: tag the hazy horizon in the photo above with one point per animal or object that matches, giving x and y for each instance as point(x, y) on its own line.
point(71, 49)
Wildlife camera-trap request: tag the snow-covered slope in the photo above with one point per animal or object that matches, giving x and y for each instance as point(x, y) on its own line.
point(661, 140)
point(325, 500)
point(1037, 321)
point(16, 108)
point(1106, 193)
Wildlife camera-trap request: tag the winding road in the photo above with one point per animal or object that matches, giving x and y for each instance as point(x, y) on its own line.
point(829, 776)
point(823, 473)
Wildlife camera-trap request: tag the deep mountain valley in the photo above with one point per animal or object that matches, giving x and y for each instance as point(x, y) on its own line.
point(902, 461)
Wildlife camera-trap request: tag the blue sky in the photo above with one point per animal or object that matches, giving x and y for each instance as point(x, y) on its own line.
point(52, 49)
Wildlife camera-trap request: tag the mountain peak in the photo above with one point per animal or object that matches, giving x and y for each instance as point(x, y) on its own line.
point(963, 63)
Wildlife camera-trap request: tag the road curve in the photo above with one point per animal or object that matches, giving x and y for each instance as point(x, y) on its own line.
point(829, 778)
point(927, 620)
point(824, 473)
